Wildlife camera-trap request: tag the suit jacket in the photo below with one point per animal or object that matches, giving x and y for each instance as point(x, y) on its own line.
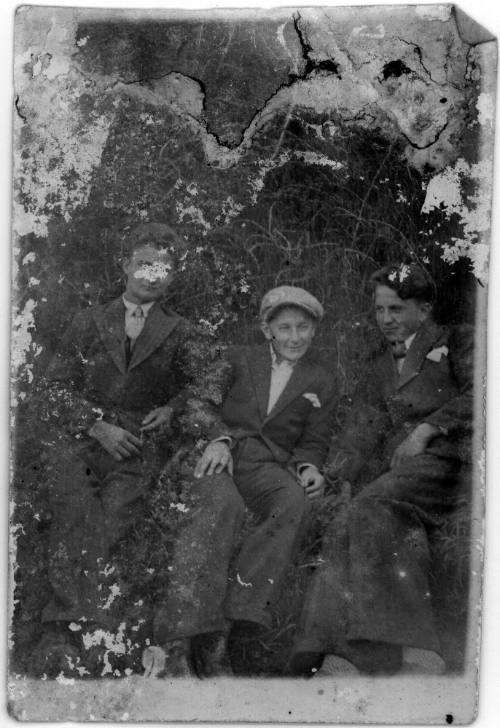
point(88, 376)
point(297, 429)
point(435, 386)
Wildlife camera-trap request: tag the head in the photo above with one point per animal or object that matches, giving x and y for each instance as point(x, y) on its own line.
point(403, 298)
point(289, 317)
point(149, 261)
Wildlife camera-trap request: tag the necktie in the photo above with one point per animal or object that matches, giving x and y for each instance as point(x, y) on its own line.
point(399, 353)
point(133, 327)
point(135, 324)
point(399, 349)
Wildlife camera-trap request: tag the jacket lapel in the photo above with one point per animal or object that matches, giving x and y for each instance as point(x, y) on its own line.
point(390, 368)
point(259, 362)
point(110, 322)
point(427, 335)
point(302, 376)
point(157, 327)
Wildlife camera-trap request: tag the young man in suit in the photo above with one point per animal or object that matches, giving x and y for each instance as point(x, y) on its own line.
point(119, 378)
point(269, 449)
point(407, 440)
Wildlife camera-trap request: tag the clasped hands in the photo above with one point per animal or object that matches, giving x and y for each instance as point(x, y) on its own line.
point(122, 444)
point(217, 457)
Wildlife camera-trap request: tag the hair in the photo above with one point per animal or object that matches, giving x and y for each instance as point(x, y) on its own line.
point(409, 280)
point(158, 235)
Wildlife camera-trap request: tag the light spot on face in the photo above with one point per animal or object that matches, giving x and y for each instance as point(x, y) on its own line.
point(149, 271)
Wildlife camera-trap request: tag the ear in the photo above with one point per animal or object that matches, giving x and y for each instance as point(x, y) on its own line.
point(425, 310)
point(266, 330)
point(124, 263)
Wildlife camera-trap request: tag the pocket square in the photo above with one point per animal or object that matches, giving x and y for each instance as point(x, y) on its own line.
point(436, 354)
point(313, 399)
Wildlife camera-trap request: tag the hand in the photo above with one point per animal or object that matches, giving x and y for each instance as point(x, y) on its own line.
point(159, 417)
point(120, 443)
point(312, 481)
point(414, 444)
point(215, 458)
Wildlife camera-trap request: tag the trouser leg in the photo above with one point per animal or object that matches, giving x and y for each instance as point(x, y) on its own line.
point(204, 546)
point(373, 586)
point(280, 505)
point(90, 513)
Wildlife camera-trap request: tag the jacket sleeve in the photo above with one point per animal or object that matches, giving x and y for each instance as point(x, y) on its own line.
point(58, 394)
point(313, 445)
point(208, 371)
point(364, 430)
point(455, 418)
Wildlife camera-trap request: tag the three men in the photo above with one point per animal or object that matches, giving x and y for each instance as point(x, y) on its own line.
point(412, 425)
point(127, 369)
point(268, 449)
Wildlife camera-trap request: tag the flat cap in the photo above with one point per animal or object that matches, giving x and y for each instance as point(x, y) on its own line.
point(290, 296)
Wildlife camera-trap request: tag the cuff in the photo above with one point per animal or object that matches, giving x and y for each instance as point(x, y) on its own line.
point(303, 466)
point(225, 438)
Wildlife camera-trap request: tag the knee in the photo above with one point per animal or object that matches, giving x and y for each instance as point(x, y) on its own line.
point(219, 493)
point(294, 504)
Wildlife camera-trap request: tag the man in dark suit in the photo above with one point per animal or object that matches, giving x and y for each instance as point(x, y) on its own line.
point(119, 378)
point(269, 447)
point(406, 442)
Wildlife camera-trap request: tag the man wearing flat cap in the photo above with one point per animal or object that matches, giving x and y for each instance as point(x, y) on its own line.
point(120, 377)
point(270, 447)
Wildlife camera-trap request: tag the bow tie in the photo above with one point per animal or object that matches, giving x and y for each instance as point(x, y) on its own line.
point(398, 349)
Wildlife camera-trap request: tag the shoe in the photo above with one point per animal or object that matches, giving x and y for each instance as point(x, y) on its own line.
point(55, 654)
point(211, 656)
point(171, 660)
point(422, 662)
point(335, 665)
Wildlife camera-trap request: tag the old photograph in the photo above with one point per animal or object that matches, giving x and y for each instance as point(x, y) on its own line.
point(248, 350)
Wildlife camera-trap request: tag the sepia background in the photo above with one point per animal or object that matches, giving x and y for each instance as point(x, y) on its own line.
point(304, 146)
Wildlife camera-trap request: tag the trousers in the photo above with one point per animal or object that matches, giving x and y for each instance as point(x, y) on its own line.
point(372, 582)
point(216, 578)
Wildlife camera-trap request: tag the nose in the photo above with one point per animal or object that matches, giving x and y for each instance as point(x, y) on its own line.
point(386, 316)
point(295, 335)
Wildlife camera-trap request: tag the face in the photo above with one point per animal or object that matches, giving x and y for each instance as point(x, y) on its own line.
point(291, 332)
point(397, 318)
point(149, 272)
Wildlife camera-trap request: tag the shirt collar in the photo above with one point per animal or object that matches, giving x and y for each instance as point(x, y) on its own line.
point(409, 340)
point(132, 306)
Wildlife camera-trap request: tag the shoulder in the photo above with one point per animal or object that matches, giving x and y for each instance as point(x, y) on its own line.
point(85, 316)
point(461, 332)
point(318, 370)
point(239, 354)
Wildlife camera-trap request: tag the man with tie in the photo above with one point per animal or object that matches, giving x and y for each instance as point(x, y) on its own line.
point(119, 379)
point(405, 444)
point(269, 448)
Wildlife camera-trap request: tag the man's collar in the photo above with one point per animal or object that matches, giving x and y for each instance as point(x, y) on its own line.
point(132, 306)
point(409, 340)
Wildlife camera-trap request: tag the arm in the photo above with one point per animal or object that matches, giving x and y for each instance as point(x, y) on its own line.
point(455, 417)
point(61, 399)
point(365, 427)
point(312, 447)
point(60, 392)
